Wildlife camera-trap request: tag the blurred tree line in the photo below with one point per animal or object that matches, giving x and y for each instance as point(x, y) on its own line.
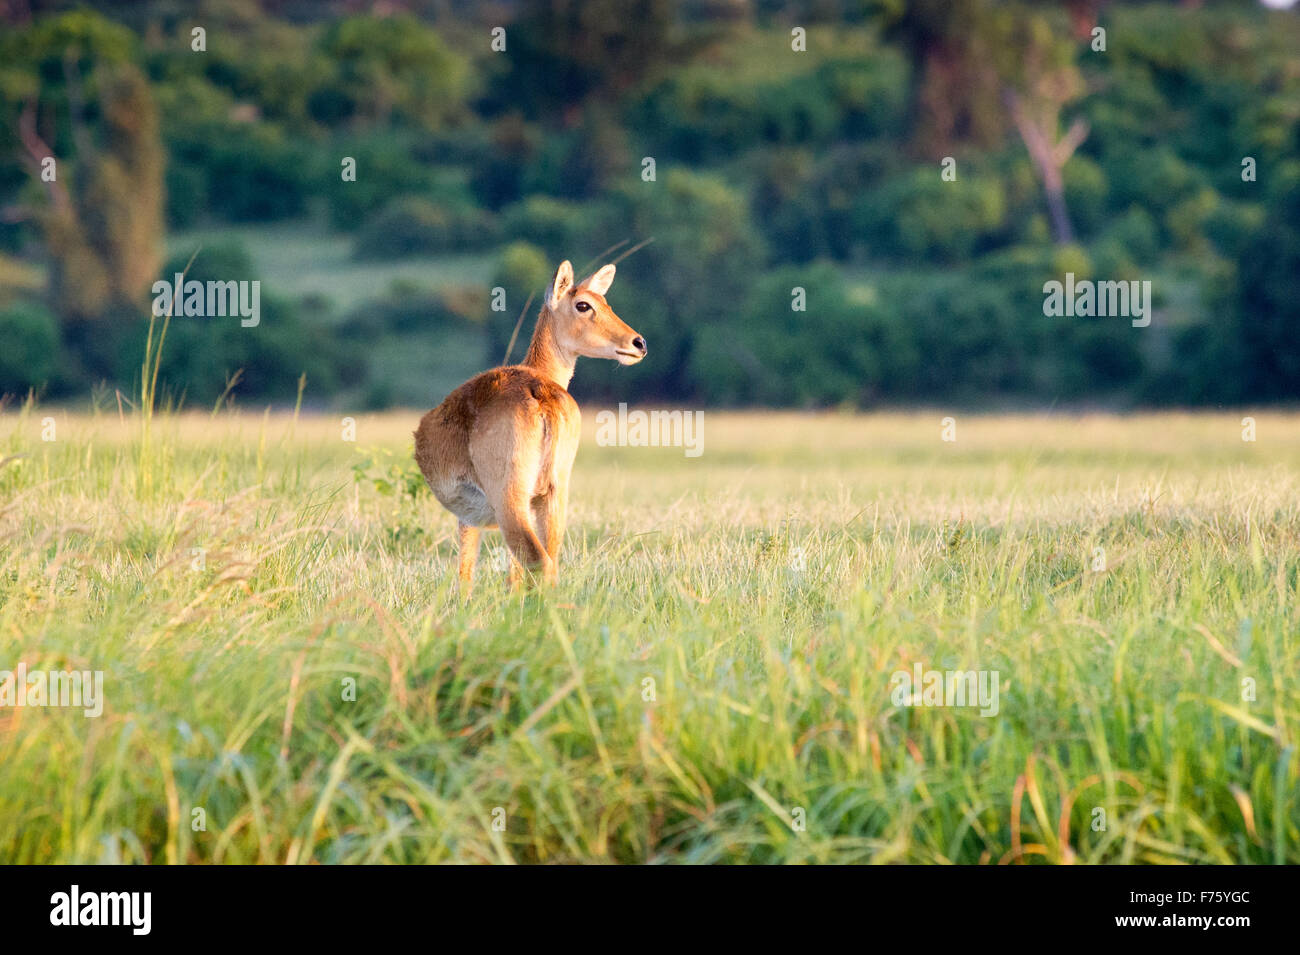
point(799, 155)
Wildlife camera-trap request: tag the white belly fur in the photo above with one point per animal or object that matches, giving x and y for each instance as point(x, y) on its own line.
point(468, 502)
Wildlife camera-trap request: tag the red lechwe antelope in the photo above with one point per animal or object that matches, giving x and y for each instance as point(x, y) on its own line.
point(498, 451)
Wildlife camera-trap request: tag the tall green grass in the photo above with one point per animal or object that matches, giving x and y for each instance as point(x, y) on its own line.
point(710, 681)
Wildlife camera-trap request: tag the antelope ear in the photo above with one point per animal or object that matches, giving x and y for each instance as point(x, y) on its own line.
point(562, 284)
point(601, 281)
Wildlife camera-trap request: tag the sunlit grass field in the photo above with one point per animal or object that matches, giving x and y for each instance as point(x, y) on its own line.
point(290, 675)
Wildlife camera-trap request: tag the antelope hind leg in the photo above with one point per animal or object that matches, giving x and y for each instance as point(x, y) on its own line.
point(469, 542)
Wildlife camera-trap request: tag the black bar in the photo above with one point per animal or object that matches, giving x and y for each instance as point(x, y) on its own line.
point(335, 905)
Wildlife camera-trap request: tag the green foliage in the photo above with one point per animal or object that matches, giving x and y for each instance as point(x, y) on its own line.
point(387, 169)
point(1266, 297)
point(852, 353)
point(769, 161)
point(502, 167)
point(701, 113)
point(919, 216)
point(1230, 225)
point(411, 308)
point(202, 356)
point(807, 202)
point(389, 70)
point(547, 223)
point(389, 474)
point(75, 95)
point(524, 269)
point(705, 255)
point(1137, 234)
point(563, 53)
point(581, 162)
point(1086, 192)
point(413, 225)
point(253, 173)
point(40, 59)
point(31, 352)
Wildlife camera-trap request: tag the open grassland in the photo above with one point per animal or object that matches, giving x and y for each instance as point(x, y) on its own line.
point(711, 679)
point(301, 258)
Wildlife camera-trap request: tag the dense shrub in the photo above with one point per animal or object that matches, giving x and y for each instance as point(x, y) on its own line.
point(30, 355)
point(552, 224)
point(251, 172)
point(201, 354)
point(410, 308)
point(771, 165)
point(523, 273)
point(1267, 294)
point(501, 170)
point(413, 225)
point(390, 70)
point(705, 255)
point(851, 354)
point(920, 216)
point(387, 168)
point(701, 113)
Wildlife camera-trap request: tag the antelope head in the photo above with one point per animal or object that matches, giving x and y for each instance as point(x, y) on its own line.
point(583, 322)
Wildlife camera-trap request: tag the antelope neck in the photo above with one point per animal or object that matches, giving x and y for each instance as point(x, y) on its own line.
point(546, 357)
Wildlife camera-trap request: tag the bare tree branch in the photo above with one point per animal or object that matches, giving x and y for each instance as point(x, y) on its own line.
point(1077, 133)
point(1048, 157)
point(39, 152)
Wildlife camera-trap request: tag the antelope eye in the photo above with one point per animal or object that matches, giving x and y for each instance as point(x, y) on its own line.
point(582, 307)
